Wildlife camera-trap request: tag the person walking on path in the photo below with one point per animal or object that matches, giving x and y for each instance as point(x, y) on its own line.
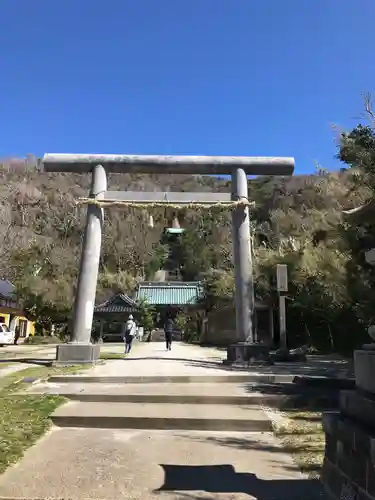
point(168, 330)
point(130, 331)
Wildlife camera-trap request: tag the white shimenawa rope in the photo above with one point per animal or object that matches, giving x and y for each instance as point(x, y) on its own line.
point(231, 205)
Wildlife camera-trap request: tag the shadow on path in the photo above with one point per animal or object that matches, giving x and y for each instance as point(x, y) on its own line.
point(309, 387)
point(28, 361)
point(224, 479)
point(307, 369)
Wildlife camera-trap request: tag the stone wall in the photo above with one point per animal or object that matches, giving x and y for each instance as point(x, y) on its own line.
point(349, 463)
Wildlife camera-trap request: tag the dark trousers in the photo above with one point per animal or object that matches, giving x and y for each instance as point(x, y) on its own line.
point(168, 340)
point(128, 343)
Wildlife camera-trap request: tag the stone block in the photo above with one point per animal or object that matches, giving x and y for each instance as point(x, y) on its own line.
point(246, 353)
point(353, 464)
point(364, 369)
point(362, 495)
point(339, 487)
point(370, 483)
point(348, 431)
point(332, 479)
point(330, 422)
point(68, 354)
point(349, 471)
point(331, 448)
point(355, 405)
point(349, 464)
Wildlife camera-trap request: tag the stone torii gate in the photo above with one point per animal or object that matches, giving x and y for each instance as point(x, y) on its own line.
point(80, 349)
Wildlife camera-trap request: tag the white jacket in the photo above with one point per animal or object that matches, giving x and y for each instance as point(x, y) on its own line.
point(131, 327)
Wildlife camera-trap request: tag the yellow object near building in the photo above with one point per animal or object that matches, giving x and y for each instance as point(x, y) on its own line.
point(26, 326)
point(11, 313)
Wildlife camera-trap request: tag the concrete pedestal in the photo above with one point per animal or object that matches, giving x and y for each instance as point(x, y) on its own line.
point(349, 463)
point(244, 353)
point(71, 354)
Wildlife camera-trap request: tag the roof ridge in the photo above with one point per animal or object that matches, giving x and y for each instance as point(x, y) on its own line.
point(127, 298)
point(170, 293)
point(123, 296)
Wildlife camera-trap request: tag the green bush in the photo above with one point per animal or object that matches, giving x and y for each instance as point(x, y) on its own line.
point(188, 325)
point(39, 340)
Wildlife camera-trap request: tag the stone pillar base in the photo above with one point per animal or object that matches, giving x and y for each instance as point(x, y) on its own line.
point(244, 353)
point(75, 354)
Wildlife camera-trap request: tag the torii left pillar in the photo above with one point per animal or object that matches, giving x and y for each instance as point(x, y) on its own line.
point(80, 348)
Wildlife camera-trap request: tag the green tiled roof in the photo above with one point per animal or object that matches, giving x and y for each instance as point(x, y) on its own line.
point(118, 303)
point(174, 230)
point(173, 293)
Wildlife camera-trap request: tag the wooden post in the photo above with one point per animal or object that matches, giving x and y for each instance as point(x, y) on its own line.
point(282, 316)
point(271, 324)
point(282, 288)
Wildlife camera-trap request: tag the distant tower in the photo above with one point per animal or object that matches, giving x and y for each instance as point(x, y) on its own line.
point(171, 236)
point(176, 223)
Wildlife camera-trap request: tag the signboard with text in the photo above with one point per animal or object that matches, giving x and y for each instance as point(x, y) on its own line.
point(370, 256)
point(282, 277)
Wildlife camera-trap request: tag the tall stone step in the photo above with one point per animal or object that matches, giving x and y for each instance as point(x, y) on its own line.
point(217, 394)
point(201, 417)
point(179, 379)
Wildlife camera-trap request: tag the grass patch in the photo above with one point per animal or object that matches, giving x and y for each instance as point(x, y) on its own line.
point(5, 364)
point(23, 421)
point(304, 439)
point(106, 355)
point(14, 354)
point(25, 418)
point(14, 381)
point(111, 355)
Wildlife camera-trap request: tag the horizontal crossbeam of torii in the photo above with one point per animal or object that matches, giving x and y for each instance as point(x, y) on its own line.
point(79, 349)
point(156, 164)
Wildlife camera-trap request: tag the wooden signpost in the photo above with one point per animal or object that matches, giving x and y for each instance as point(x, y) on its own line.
point(282, 288)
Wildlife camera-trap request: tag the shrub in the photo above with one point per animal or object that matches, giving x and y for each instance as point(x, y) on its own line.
point(40, 340)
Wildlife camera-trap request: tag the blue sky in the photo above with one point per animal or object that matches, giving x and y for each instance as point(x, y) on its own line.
point(220, 77)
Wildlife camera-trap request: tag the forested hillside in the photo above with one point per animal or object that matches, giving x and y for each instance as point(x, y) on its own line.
point(295, 220)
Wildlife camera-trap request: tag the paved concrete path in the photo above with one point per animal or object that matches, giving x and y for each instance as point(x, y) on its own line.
point(331, 366)
point(80, 464)
point(184, 359)
point(16, 367)
point(153, 359)
point(169, 464)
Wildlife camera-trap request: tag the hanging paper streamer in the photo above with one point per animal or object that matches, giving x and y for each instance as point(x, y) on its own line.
point(151, 222)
